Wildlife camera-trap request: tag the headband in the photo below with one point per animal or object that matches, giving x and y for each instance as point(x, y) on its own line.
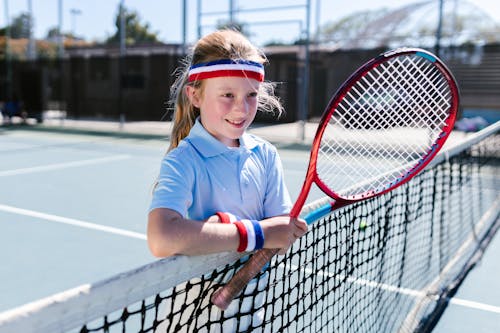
point(226, 67)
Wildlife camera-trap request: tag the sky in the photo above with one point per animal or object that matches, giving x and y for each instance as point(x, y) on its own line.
point(94, 19)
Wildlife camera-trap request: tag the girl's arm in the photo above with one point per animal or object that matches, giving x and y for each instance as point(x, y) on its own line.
point(170, 234)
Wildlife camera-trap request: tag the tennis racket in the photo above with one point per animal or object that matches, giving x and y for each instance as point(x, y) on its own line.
point(382, 126)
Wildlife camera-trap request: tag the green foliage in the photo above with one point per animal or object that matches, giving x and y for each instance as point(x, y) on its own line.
point(53, 33)
point(135, 30)
point(19, 27)
point(238, 26)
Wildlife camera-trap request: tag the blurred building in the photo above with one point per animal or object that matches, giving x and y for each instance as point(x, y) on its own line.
point(96, 82)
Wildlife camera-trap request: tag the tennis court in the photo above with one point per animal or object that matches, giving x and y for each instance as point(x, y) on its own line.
point(61, 197)
point(73, 209)
point(73, 212)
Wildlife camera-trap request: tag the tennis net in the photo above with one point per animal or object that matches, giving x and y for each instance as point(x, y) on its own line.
point(388, 264)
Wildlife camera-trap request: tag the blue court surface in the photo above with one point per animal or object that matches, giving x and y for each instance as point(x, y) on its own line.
point(73, 211)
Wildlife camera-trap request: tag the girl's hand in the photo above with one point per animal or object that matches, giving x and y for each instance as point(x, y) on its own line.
point(281, 232)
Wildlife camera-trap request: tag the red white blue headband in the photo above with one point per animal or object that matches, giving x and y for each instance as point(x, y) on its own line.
point(226, 67)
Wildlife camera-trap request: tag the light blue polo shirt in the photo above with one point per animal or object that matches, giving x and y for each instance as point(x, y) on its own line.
point(202, 176)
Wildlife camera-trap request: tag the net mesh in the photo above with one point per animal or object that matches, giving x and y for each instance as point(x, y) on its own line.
point(388, 264)
point(404, 97)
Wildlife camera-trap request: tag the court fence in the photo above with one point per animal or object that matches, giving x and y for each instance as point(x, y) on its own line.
point(97, 83)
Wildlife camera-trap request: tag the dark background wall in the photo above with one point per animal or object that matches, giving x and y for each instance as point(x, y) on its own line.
point(95, 83)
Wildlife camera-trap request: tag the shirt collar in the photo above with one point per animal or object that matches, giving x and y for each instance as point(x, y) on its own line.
point(209, 146)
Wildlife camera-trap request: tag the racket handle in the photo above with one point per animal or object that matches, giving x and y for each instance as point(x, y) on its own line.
point(225, 294)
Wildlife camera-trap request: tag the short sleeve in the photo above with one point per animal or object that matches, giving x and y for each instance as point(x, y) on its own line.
point(174, 186)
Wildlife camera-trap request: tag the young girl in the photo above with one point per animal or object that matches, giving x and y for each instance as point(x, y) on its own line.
point(213, 166)
point(216, 172)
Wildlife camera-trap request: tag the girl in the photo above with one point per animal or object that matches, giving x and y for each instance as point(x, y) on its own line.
point(213, 167)
point(214, 171)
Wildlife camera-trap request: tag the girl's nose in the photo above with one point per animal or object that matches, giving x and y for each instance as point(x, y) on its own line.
point(242, 105)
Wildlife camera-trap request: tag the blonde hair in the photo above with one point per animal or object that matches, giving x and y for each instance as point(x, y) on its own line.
point(221, 44)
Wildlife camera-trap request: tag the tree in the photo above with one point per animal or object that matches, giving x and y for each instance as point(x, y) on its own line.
point(135, 31)
point(19, 27)
point(53, 33)
point(234, 25)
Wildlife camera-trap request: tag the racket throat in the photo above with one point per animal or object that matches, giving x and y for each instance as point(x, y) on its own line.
point(301, 199)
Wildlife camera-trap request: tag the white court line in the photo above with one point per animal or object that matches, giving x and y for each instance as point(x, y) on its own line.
point(58, 166)
point(475, 305)
point(73, 222)
point(404, 291)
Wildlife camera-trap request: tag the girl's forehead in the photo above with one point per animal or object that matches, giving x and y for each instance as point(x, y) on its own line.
point(231, 83)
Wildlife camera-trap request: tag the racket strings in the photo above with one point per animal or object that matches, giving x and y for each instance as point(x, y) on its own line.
point(387, 120)
point(419, 83)
point(425, 84)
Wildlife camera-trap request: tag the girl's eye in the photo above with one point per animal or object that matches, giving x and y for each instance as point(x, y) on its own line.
point(228, 95)
point(253, 94)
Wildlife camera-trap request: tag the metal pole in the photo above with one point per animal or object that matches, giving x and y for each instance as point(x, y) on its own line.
point(305, 81)
point(184, 26)
point(318, 20)
point(8, 56)
point(454, 28)
point(122, 28)
point(31, 43)
point(198, 19)
point(231, 12)
point(60, 54)
point(60, 36)
point(74, 12)
point(121, 64)
point(437, 47)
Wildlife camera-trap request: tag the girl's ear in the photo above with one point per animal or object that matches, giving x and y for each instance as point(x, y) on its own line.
point(193, 95)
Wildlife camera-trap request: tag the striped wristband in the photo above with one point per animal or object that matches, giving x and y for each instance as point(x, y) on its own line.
point(250, 235)
point(250, 231)
point(227, 217)
point(255, 235)
point(259, 235)
point(243, 236)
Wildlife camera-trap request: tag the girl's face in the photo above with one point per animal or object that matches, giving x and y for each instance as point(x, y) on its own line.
point(227, 106)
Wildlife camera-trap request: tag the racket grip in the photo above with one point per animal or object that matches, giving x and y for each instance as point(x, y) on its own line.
point(225, 294)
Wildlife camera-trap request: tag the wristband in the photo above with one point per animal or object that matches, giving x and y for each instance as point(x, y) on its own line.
point(250, 235)
point(243, 236)
point(227, 217)
point(223, 217)
point(259, 235)
point(250, 231)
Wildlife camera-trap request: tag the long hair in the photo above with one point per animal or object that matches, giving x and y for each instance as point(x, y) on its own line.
point(221, 44)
